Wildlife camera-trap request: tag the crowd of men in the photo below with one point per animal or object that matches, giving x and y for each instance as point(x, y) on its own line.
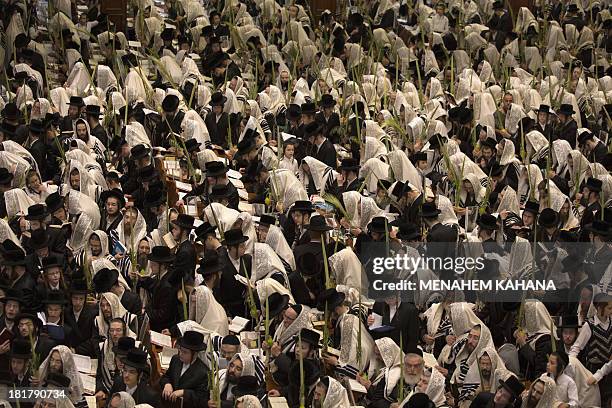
point(193, 200)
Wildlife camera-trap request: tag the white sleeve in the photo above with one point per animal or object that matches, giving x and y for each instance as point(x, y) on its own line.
point(572, 393)
point(603, 371)
point(581, 341)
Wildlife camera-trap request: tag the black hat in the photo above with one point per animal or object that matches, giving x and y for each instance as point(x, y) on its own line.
point(39, 239)
point(349, 164)
point(310, 336)
point(311, 373)
point(210, 264)
point(294, 112)
point(148, 173)
point(218, 99)
point(568, 236)
point(78, 287)
point(496, 170)
point(568, 322)
point(270, 66)
point(192, 145)
point(487, 221)
point(584, 136)
point(192, 340)
point(303, 206)
point(330, 296)
point(105, 279)
point(436, 140)
point(36, 127)
point(267, 219)
point(93, 110)
point(247, 144)
point(420, 400)
point(532, 207)
point(246, 385)
point(498, 5)
point(161, 254)
point(21, 40)
point(124, 345)
point(318, 223)
point(429, 210)
point(8, 130)
point(129, 59)
point(135, 358)
point(312, 129)
point(204, 229)
point(13, 294)
point(219, 191)
point(408, 232)
point(572, 8)
point(566, 109)
point(548, 218)
point(184, 221)
point(58, 380)
point(114, 193)
point(378, 224)
point(52, 261)
point(54, 202)
point(21, 348)
point(36, 212)
point(207, 31)
point(234, 237)
point(112, 175)
point(30, 315)
point(139, 151)
point(76, 101)
point(309, 264)
point(593, 184)
point(14, 257)
point(55, 297)
point(215, 169)
point(488, 142)
point(600, 228)
point(419, 156)
point(167, 34)
point(5, 176)
point(543, 108)
point(154, 197)
point(170, 103)
point(327, 101)
point(513, 385)
point(276, 304)
point(308, 108)
point(11, 111)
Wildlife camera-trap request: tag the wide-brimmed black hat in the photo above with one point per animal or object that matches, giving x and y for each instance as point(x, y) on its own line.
point(21, 348)
point(114, 193)
point(78, 287)
point(593, 184)
point(219, 191)
point(513, 385)
point(39, 239)
point(308, 108)
point(55, 297)
point(184, 221)
point(247, 144)
point(318, 223)
point(246, 385)
point(218, 99)
point(192, 340)
point(543, 109)
point(21, 40)
point(311, 373)
point(36, 212)
point(420, 400)
point(58, 380)
point(327, 101)
point(399, 189)
point(30, 315)
point(548, 218)
point(139, 151)
point(147, 173)
point(135, 358)
point(429, 210)
point(170, 103)
point(215, 169)
point(568, 322)
point(294, 112)
point(408, 232)
point(36, 127)
point(52, 261)
point(498, 5)
point(599, 227)
point(276, 304)
point(161, 254)
point(116, 143)
point(331, 297)
point(419, 156)
point(92, 110)
point(379, 225)
point(309, 264)
point(76, 101)
point(167, 34)
point(54, 202)
point(11, 111)
point(14, 257)
point(13, 294)
point(532, 207)
point(312, 129)
point(584, 136)
point(566, 109)
point(303, 206)
point(105, 279)
point(267, 219)
point(155, 197)
point(310, 336)
point(234, 237)
point(203, 230)
point(487, 221)
point(349, 164)
point(124, 345)
point(210, 264)
point(192, 145)
point(572, 8)
point(488, 142)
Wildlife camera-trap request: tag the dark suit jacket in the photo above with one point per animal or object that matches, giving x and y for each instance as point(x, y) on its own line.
point(567, 132)
point(27, 286)
point(352, 186)
point(34, 263)
point(327, 154)
point(184, 263)
point(230, 292)
point(194, 381)
point(329, 124)
point(144, 394)
point(598, 153)
point(43, 346)
point(162, 309)
point(82, 329)
point(46, 156)
point(100, 133)
point(163, 130)
point(131, 301)
point(218, 130)
point(533, 362)
point(405, 321)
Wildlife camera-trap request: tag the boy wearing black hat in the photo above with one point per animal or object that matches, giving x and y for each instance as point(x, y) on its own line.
point(329, 119)
point(172, 119)
point(113, 201)
point(79, 315)
point(349, 168)
point(590, 199)
point(507, 393)
point(236, 262)
point(567, 127)
point(185, 262)
point(75, 109)
point(219, 123)
point(133, 379)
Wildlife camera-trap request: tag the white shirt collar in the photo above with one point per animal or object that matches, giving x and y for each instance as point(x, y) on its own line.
point(131, 390)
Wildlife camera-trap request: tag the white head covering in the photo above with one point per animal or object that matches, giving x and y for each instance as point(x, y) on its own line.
point(68, 369)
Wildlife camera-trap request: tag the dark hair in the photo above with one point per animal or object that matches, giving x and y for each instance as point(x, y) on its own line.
point(119, 320)
point(560, 364)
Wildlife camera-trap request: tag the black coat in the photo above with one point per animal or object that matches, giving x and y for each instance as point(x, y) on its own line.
point(131, 301)
point(218, 129)
point(352, 186)
point(405, 321)
point(162, 309)
point(100, 133)
point(46, 157)
point(185, 262)
point(567, 131)
point(329, 124)
point(144, 394)
point(230, 292)
point(326, 154)
point(57, 241)
point(82, 329)
point(163, 130)
point(194, 381)
point(533, 362)
point(598, 153)
point(27, 286)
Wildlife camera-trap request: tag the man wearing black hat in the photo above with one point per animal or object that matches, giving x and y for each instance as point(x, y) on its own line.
point(167, 36)
point(37, 216)
point(11, 307)
point(236, 262)
point(306, 344)
point(20, 355)
point(567, 127)
point(219, 123)
point(51, 272)
point(324, 150)
point(92, 113)
point(501, 23)
point(107, 280)
point(317, 228)
point(113, 201)
point(75, 108)
point(593, 148)
point(172, 118)
point(543, 124)
point(329, 119)
point(43, 150)
point(133, 379)
point(54, 304)
point(185, 262)
point(187, 376)
point(507, 393)
point(590, 199)
point(162, 309)
point(349, 168)
point(12, 126)
point(599, 255)
point(15, 268)
point(30, 326)
point(79, 315)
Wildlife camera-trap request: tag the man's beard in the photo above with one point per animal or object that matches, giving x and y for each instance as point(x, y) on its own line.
point(142, 261)
point(412, 380)
point(317, 403)
point(97, 253)
point(232, 379)
point(532, 402)
point(486, 374)
point(383, 202)
point(284, 85)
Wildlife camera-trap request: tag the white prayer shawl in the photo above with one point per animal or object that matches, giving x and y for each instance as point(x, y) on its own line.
point(322, 175)
point(548, 398)
point(286, 186)
point(68, 369)
point(40, 111)
point(464, 165)
point(349, 329)
point(578, 165)
point(464, 358)
point(195, 128)
point(557, 200)
point(266, 263)
point(17, 166)
point(277, 241)
point(479, 192)
point(347, 269)
point(139, 231)
point(589, 394)
point(537, 321)
point(117, 312)
point(374, 148)
point(7, 233)
point(473, 379)
point(403, 169)
point(336, 396)
point(361, 209)
point(509, 202)
point(530, 177)
point(79, 81)
point(447, 215)
point(204, 308)
point(17, 202)
point(392, 358)
point(267, 286)
point(372, 171)
point(79, 203)
point(285, 336)
point(560, 151)
point(136, 134)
